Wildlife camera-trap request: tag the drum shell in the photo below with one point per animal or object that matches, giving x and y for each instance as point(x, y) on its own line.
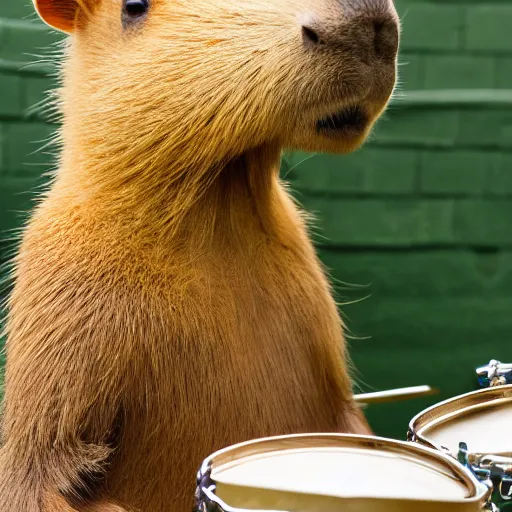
point(260, 498)
point(456, 409)
point(273, 501)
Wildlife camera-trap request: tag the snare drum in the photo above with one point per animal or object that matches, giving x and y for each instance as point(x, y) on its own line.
point(476, 429)
point(334, 473)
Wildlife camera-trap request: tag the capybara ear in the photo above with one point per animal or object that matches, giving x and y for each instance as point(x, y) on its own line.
point(61, 14)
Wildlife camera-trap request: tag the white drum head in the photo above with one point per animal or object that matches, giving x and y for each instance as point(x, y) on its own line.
point(482, 420)
point(342, 473)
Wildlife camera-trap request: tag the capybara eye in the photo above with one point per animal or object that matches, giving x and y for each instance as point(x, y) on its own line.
point(135, 8)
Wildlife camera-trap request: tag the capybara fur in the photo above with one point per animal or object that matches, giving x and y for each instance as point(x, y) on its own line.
point(168, 301)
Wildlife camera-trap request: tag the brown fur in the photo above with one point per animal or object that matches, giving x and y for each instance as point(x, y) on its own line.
point(168, 301)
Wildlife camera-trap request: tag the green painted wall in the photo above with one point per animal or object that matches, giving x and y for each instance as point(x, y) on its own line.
point(419, 220)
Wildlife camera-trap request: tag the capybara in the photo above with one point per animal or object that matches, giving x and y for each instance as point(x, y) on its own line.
point(168, 301)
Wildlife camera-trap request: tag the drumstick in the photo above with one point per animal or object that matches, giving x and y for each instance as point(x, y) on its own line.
point(395, 395)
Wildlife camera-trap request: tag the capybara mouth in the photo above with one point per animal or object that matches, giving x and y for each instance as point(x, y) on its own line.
point(351, 120)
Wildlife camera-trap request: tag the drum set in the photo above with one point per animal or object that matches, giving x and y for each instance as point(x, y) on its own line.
point(457, 457)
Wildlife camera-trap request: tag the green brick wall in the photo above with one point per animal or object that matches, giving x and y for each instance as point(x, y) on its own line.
point(415, 228)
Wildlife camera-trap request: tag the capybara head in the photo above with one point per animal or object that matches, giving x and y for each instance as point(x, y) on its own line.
point(225, 76)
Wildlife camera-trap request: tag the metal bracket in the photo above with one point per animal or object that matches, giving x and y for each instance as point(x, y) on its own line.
point(493, 471)
point(501, 470)
point(494, 374)
point(506, 488)
point(483, 474)
point(207, 500)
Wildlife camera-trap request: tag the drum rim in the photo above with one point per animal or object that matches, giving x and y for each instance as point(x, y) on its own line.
point(445, 410)
point(478, 492)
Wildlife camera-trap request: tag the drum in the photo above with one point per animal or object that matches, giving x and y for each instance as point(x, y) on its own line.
point(336, 473)
point(475, 429)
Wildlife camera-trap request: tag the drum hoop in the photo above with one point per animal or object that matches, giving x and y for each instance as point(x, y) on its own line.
point(451, 408)
point(477, 491)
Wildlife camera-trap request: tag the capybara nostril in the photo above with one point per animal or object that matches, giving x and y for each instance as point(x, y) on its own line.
point(385, 42)
point(309, 36)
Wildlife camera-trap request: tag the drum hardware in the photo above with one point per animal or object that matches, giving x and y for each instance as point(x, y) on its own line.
point(494, 374)
point(205, 490)
point(491, 507)
point(492, 470)
point(482, 474)
point(206, 499)
point(500, 469)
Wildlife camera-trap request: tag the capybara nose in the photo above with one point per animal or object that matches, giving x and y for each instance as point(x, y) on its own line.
point(369, 29)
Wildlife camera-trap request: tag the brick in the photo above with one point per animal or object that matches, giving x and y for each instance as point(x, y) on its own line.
point(382, 222)
point(457, 172)
point(37, 98)
point(22, 145)
point(3, 167)
point(491, 127)
point(448, 327)
point(437, 325)
point(22, 9)
point(312, 172)
point(427, 127)
point(25, 42)
point(370, 170)
point(390, 171)
point(484, 222)
point(410, 71)
point(18, 197)
point(429, 26)
point(478, 323)
point(3, 36)
point(488, 28)
point(11, 96)
point(459, 72)
point(500, 179)
point(504, 73)
point(448, 273)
